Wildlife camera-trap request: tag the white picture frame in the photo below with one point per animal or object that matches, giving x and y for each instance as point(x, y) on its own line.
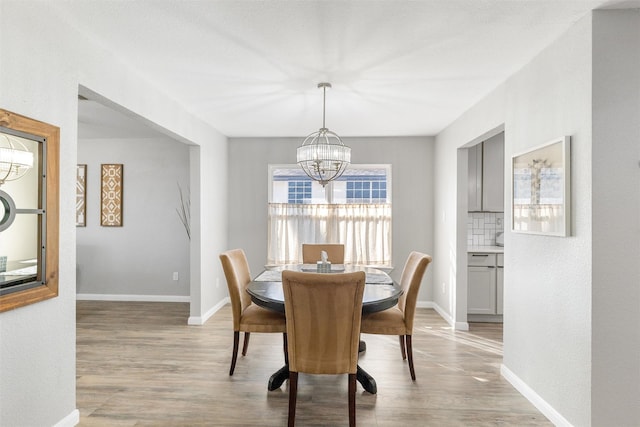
point(541, 189)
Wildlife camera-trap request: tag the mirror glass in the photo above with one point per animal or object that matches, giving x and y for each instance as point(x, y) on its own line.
point(21, 211)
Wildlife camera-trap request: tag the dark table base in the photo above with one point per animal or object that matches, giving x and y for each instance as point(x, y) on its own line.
point(278, 378)
point(366, 381)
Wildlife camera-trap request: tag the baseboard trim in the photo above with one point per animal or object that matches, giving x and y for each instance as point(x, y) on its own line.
point(125, 297)
point(461, 326)
point(547, 410)
point(201, 320)
point(485, 318)
point(458, 326)
point(70, 420)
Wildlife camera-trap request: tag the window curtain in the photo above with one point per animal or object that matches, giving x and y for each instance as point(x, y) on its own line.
point(364, 229)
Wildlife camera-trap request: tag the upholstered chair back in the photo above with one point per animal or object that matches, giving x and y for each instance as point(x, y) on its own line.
point(410, 281)
point(323, 314)
point(238, 275)
point(311, 252)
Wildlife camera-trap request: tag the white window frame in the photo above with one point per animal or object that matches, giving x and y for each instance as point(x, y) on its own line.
point(291, 251)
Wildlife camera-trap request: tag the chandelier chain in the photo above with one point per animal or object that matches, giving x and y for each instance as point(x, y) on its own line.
point(324, 106)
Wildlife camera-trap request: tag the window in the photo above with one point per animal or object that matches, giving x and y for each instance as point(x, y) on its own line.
point(299, 191)
point(354, 210)
point(29, 215)
point(367, 190)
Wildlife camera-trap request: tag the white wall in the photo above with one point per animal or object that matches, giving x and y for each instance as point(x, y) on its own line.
point(209, 228)
point(547, 294)
point(615, 377)
point(559, 311)
point(139, 258)
point(411, 160)
point(43, 62)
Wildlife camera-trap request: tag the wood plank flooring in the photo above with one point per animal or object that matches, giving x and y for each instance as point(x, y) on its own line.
point(139, 364)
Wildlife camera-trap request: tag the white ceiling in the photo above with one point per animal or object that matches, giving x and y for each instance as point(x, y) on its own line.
point(250, 68)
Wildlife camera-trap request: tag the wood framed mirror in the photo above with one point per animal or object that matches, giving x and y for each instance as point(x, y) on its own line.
point(29, 210)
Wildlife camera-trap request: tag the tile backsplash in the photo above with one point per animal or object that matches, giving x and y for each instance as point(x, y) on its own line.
point(482, 228)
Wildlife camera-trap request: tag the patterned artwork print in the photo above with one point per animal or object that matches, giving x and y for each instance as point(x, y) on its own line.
point(81, 194)
point(111, 208)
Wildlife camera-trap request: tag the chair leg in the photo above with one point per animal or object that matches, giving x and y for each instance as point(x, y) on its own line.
point(286, 348)
point(352, 400)
point(234, 353)
point(410, 355)
point(246, 343)
point(293, 395)
point(402, 347)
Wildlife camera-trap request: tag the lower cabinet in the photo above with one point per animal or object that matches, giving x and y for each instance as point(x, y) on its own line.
point(485, 283)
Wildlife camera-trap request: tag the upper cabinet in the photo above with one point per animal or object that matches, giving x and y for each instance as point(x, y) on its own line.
point(475, 178)
point(486, 175)
point(493, 174)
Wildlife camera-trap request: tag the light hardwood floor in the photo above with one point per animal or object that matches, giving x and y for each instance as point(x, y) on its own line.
point(139, 364)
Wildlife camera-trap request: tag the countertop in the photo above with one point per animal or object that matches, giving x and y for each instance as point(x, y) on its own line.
point(486, 249)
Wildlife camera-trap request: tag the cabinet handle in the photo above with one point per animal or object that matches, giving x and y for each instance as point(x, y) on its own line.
point(490, 266)
point(483, 255)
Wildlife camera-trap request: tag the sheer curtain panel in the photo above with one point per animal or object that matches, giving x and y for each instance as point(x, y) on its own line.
point(364, 229)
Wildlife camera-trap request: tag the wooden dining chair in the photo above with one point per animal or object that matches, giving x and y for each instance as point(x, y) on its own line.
point(398, 320)
point(323, 314)
point(311, 252)
point(247, 317)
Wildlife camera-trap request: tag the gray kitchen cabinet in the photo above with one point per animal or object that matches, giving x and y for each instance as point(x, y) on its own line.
point(481, 289)
point(475, 178)
point(493, 174)
point(486, 175)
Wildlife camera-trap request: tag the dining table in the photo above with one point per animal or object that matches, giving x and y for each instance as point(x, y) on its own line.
point(380, 293)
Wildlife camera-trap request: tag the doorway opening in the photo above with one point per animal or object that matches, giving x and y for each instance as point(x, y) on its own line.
point(480, 229)
point(146, 257)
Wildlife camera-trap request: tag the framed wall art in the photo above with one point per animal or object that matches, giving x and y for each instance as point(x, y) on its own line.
point(81, 195)
point(111, 195)
point(541, 189)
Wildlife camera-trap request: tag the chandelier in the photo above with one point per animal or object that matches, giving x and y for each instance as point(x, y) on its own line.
point(15, 158)
point(322, 155)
